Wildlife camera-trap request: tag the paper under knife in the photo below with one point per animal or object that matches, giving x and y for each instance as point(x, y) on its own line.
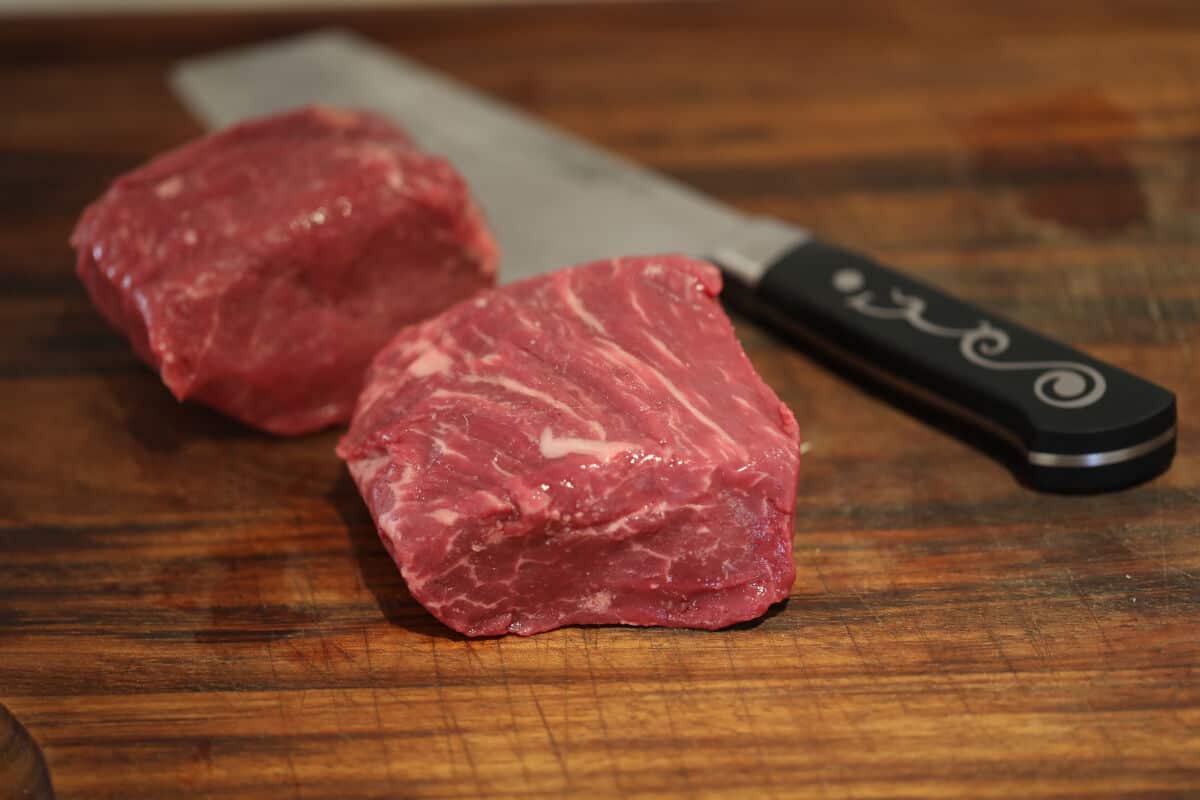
point(1071, 422)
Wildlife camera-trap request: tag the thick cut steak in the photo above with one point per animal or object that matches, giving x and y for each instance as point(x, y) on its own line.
point(590, 446)
point(259, 269)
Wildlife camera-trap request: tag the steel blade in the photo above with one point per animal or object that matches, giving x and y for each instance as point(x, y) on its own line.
point(551, 198)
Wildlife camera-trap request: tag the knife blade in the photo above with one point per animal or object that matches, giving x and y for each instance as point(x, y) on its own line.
point(1070, 422)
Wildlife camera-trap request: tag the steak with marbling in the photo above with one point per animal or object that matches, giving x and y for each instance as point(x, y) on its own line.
point(589, 446)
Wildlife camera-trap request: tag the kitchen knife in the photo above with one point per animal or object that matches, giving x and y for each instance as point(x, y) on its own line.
point(1070, 422)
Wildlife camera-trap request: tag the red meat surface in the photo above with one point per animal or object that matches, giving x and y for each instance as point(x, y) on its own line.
point(259, 269)
point(590, 446)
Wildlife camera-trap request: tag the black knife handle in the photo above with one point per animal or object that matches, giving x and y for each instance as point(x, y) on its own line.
point(1073, 423)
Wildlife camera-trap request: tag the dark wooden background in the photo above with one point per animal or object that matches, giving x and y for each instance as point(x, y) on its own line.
point(189, 609)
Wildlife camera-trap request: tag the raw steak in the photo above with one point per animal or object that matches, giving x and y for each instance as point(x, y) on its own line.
point(590, 446)
point(260, 269)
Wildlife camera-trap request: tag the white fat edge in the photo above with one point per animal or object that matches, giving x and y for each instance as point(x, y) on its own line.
point(432, 361)
point(365, 470)
point(407, 348)
point(445, 516)
point(553, 446)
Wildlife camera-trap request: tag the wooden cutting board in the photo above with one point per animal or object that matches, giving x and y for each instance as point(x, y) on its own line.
point(190, 609)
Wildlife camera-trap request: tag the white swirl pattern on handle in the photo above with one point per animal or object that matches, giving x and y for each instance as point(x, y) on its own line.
point(1062, 384)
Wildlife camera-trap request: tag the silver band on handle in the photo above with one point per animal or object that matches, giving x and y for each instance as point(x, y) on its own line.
point(1036, 458)
point(1101, 459)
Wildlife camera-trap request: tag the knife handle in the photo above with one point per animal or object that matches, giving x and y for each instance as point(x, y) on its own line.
point(1071, 422)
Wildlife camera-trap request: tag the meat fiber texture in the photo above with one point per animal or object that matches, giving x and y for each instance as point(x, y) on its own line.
point(260, 269)
point(591, 446)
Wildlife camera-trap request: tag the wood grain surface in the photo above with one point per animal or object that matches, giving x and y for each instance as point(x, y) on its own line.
point(190, 609)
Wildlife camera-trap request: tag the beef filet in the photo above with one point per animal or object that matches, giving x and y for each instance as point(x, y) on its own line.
point(590, 446)
point(260, 269)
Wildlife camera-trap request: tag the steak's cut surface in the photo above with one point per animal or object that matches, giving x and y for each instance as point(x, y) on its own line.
point(590, 446)
point(259, 269)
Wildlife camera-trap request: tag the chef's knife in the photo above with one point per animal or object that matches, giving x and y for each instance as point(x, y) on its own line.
point(1073, 423)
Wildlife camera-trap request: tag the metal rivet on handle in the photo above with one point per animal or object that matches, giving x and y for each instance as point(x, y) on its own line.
point(848, 280)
